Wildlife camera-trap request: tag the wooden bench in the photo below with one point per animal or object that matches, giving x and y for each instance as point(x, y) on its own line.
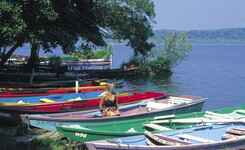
point(164, 117)
point(176, 100)
point(156, 105)
point(157, 127)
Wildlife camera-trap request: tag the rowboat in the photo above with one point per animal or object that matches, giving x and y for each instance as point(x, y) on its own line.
point(99, 131)
point(147, 109)
point(57, 97)
point(14, 111)
point(6, 88)
point(208, 137)
point(36, 89)
point(178, 121)
point(83, 63)
point(33, 93)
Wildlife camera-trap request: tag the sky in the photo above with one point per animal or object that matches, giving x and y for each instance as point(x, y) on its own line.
point(199, 14)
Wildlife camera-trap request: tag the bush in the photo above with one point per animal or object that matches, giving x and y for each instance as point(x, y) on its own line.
point(22, 129)
point(55, 60)
point(162, 59)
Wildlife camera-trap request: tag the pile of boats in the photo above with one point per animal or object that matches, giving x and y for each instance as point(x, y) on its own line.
point(149, 120)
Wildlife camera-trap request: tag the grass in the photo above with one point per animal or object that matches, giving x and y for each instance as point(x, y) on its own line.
point(21, 137)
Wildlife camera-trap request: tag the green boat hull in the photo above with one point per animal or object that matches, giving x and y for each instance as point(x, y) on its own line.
point(122, 128)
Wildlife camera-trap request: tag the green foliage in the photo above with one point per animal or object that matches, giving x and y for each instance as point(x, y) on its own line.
point(6, 143)
point(129, 20)
point(159, 65)
point(22, 129)
point(11, 23)
point(171, 51)
point(40, 144)
point(174, 49)
point(69, 58)
point(103, 53)
point(55, 60)
point(85, 53)
point(139, 61)
point(62, 23)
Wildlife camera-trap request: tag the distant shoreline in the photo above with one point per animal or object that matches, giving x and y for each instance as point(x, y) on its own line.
point(229, 35)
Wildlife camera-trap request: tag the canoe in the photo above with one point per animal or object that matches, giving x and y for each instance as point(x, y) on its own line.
point(41, 76)
point(163, 106)
point(178, 121)
point(57, 97)
point(85, 63)
point(6, 89)
point(53, 98)
point(32, 93)
point(209, 137)
point(15, 111)
point(37, 89)
point(99, 131)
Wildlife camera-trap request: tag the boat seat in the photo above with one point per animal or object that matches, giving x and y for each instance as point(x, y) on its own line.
point(236, 131)
point(20, 101)
point(229, 136)
point(46, 100)
point(131, 130)
point(176, 100)
point(157, 127)
point(74, 99)
point(194, 138)
point(156, 105)
point(164, 117)
point(216, 115)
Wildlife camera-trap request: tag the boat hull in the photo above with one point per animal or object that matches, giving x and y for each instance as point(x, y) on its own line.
point(71, 106)
point(214, 133)
point(98, 131)
point(48, 122)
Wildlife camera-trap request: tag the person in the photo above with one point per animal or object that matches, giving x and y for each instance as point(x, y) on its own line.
point(109, 98)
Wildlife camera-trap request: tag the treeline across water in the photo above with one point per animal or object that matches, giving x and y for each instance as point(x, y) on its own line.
point(219, 35)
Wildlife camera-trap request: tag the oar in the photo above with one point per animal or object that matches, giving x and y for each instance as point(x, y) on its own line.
point(169, 95)
point(126, 90)
point(133, 90)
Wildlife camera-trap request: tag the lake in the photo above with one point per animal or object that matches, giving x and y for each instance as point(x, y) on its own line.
point(216, 71)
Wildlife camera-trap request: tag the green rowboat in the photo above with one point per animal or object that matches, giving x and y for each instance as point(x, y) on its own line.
point(123, 128)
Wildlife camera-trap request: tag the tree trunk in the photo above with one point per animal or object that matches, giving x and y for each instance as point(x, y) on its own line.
point(33, 60)
point(6, 56)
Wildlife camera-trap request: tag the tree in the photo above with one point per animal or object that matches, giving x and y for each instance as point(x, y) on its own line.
point(28, 19)
point(52, 23)
point(172, 50)
point(169, 52)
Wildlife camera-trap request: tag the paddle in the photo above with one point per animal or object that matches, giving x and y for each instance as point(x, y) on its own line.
point(126, 90)
point(133, 90)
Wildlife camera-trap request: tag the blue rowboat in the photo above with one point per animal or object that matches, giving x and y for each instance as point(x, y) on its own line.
point(207, 137)
point(61, 97)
